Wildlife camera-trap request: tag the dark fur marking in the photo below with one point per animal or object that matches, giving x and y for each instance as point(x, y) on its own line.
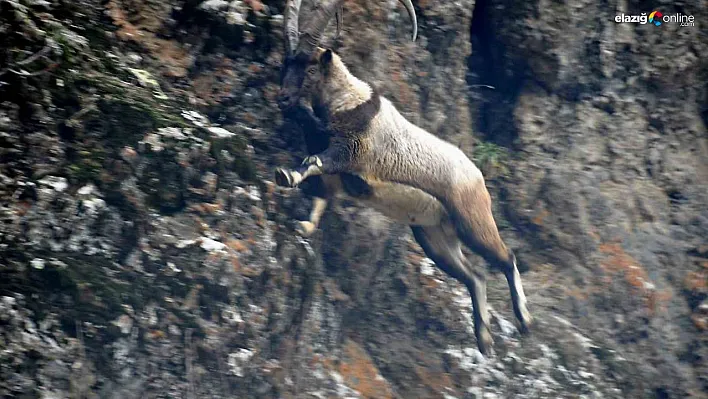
point(355, 186)
point(314, 186)
point(316, 140)
point(314, 131)
point(355, 121)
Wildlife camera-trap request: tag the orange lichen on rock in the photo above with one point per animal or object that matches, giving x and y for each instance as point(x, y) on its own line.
point(138, 22)
point(237, 245)
point(404, 93)
point(235, 264)
point(250, 118)
point(435, 381)
point(700, 321)
point(414, 258)
point(23, 207)
point(617, 261)
point(174, 58)
point(215, 85)
point(577, 293)
point(255, 5)
point(696, 281)
point(430, 285)
point(361, 374)
point(251, 271)
point(126, 30)
point(540, 216)
point(657, 300)
point(334, 291)
point(157, 334)
point(423, 4)
point(205, 208)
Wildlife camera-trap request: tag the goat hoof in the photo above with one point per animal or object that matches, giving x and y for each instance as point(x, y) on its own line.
point(485, 344)
point(525, 325)
point(305, 228)
point(524, 329)
point(313, 160)
point(486, 349)
point(284, 178)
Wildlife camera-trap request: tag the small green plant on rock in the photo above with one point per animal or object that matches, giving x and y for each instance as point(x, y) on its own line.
point(491, 159)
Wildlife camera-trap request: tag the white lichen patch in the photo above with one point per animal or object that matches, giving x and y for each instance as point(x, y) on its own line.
point(181, 244)
point(124, 323)
point(232, 315)
point(174, 133)
point(153, 140)
point(467, 358)
point(220, 132)
point(343, 391)
point(508, 330)
point(210, 245)
point(58, 184)
point(87, 190)
point(253, 193)
point(214, 5)
point(427, 267)
point(146, 80)
point(93, 205)
point(196, 118)
point(167, 137)
point(37, 263)
point(173, 269)
point(463, 300)
point(237, 360)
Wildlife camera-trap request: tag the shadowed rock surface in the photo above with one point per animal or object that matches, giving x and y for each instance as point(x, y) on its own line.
point(146, 253)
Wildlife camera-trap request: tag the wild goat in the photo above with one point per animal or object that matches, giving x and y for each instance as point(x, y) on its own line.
point(323, 188)
point(396, 167)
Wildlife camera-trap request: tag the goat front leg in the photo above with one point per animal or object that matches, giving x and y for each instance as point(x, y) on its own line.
point(307, 227)
point(333, 160)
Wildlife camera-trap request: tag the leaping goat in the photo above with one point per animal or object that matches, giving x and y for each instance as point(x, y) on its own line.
point(394, 166)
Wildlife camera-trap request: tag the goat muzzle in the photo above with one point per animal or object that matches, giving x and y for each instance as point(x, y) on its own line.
point(285, 100)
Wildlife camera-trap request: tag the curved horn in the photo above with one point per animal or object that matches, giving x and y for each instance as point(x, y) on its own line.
point(338, 17)
point(290, 25)
point(411, 14)
point(322, 14)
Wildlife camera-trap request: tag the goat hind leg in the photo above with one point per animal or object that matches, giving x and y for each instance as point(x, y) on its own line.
point(444, 249)
point(518, 298)
point(478, 230)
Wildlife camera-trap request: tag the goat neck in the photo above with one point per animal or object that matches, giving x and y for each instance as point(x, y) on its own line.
point(341, 91)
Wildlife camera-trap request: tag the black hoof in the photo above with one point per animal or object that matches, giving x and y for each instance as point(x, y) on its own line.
point(283, 178)
point(313, 160)
point(485, 344)
point(525, 327)
point(487, 350)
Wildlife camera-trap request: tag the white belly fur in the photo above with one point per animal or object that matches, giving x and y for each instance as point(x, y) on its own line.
point(405, 204)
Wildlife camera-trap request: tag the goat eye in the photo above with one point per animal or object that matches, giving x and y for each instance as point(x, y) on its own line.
point(311, 71)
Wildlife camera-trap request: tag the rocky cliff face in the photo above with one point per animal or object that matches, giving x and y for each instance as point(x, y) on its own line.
point(145, 252)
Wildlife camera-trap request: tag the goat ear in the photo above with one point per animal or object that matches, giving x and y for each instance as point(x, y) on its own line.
point(326, 60)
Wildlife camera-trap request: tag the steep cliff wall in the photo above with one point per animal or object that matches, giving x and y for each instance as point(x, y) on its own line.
point(146, 253)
